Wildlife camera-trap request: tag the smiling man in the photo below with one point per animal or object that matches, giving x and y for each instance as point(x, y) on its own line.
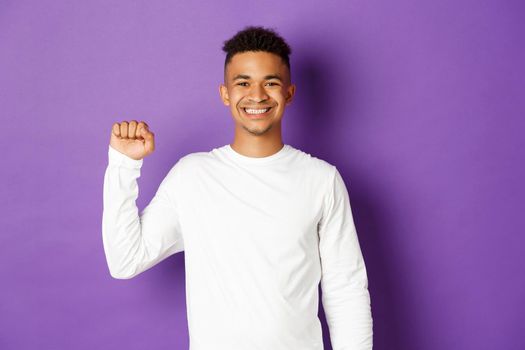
point(257, 88)
point(261, 222)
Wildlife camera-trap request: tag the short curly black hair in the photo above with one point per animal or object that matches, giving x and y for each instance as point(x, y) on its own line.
point(257, 38)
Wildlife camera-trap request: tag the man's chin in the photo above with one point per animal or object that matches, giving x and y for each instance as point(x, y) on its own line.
point(257, 131)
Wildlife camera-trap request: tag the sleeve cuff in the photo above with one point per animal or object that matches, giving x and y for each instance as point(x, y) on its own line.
point(117, 158)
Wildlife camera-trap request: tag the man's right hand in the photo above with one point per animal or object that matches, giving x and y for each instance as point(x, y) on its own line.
point(132, 139)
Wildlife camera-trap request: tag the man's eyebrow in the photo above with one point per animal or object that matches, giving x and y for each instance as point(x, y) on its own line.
point(267, 77)
point(241, 76)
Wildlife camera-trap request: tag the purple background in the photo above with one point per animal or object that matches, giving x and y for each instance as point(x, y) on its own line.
point(418, 103)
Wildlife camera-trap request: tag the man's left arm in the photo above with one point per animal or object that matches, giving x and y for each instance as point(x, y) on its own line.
point(344, 282)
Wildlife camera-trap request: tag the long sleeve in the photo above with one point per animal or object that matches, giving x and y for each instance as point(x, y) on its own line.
point(344, 283)
point(134, 243)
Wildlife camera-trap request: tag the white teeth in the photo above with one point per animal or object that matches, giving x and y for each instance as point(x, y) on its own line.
point(256, 111)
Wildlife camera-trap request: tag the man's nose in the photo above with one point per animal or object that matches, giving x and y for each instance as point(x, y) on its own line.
point(257, 93)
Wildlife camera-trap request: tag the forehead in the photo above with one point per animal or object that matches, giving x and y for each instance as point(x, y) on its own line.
point(256, 64)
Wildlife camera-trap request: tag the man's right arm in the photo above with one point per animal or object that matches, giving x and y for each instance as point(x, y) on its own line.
point(134, 243)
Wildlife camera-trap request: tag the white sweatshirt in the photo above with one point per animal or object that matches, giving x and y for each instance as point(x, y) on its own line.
point(258, 235)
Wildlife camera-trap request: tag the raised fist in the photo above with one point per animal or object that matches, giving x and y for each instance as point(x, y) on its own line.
point(132, 139)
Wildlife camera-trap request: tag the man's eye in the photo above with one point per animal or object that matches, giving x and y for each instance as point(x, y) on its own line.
point(242, 84)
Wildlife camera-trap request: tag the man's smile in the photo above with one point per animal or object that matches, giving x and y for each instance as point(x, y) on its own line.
point(255, 113)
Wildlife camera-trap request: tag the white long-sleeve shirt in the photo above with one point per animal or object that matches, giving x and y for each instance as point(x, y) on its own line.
point(258, 235)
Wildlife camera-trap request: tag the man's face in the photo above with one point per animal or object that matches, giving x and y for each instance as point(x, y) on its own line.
point(257, 80)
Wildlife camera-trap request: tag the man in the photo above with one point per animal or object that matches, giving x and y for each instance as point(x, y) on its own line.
point(261, 222)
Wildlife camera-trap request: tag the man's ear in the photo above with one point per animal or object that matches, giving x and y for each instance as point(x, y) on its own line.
point(223, 91)
point(291, 93)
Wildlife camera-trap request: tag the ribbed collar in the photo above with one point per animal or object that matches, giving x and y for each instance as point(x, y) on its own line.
point(257, 160)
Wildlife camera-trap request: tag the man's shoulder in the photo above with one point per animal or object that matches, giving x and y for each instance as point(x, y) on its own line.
point(315, 163)
point(195, 158)
point(191, 161)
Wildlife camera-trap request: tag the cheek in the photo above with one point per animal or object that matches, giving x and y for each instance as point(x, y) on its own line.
point(235, 97)
point(234, 102)
point(279, 96)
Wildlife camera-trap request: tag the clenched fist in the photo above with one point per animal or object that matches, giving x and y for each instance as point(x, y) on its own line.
point(133, 139)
